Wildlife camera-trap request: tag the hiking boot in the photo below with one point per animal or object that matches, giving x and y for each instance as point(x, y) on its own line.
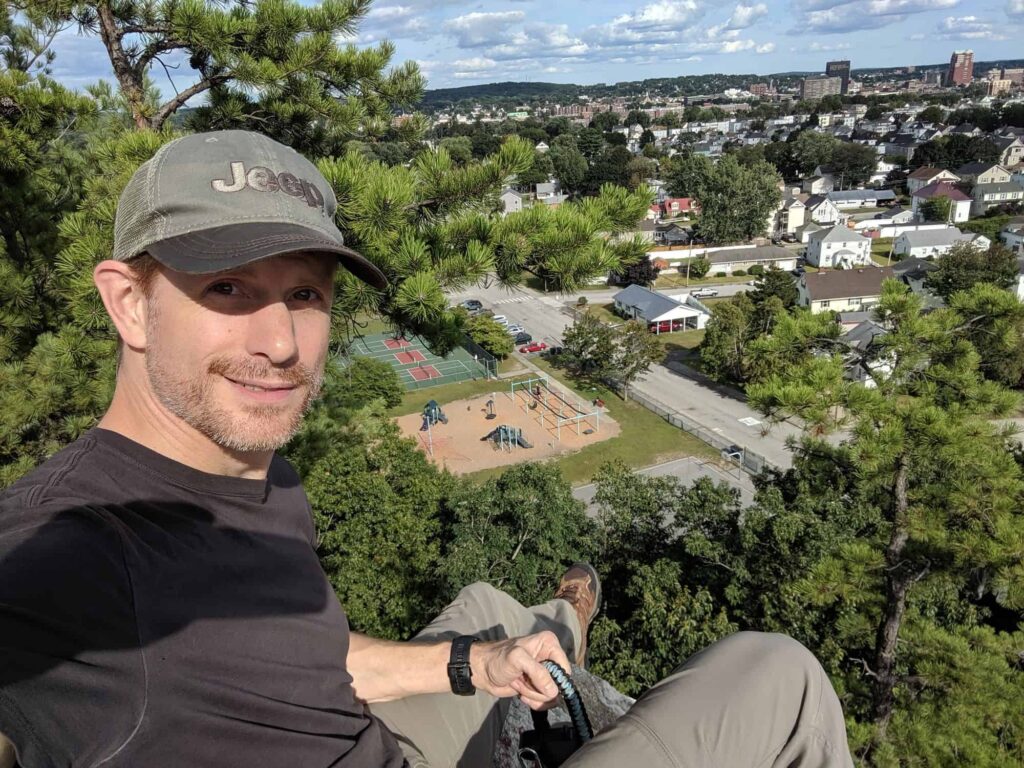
point(581, 588)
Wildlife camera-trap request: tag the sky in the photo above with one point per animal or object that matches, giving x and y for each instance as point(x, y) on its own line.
point(466, 42)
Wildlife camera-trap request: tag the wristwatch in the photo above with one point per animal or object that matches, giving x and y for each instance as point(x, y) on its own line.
point(459, 673)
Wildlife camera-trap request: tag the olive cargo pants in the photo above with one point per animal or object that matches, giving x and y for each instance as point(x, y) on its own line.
point(750, 699)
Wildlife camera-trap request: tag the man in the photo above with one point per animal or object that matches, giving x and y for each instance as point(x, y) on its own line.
point(161, 603)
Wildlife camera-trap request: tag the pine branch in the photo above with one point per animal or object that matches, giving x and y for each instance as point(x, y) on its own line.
point(170, 107)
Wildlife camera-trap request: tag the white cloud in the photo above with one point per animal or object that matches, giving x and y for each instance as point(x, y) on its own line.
point(1015, 8)
point(968, 28)
point(476, 29)
point(745, 15)
point(394, 22)
point(477, 62)
point(765, 48)
point(819, 47)
point(834, 16)
point(657, 22)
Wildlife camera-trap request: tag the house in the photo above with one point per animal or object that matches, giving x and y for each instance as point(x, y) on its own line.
point(838, 247)
point(933, 243)
point(661, 313)
point(848, 290)
point(926, 175)
point(790, 216)
point(913, 272)
point(676, 206)
point(809, 228)
point(903, 145)
point(865, 360)
point(822, 210)
point(671, 235)
point(1012, 236)
point(817, 185)
point(511, 201)
point(983, 173)
point(729, 260)
point(959, 202)
point(897, 215)
point(646, 229)
point(987, 196)
point(862, 198)
point(654, 211)
point(1011, 150)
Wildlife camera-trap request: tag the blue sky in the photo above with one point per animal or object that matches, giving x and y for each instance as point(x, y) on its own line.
point(591, 41)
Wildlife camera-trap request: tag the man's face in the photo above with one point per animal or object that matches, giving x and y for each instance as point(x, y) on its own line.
point(239, 355)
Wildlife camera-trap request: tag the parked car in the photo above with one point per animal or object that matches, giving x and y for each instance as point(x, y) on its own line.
point(523, 338)
point(472, 305)
point(789, 237)
point(537, 346)
point(515, 328)
point(553, 351)
point(703, 293)
point(500, 319)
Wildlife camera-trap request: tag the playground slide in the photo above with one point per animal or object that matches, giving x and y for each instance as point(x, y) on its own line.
point(522, 442)
point(441, 417)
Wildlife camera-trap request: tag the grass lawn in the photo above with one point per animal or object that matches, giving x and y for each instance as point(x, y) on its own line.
point(605, 313)
point(645, 438)
point(368, 325)
point(510, 364)
point(680, 339)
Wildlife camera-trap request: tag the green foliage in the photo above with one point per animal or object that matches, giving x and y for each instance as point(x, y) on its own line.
point(965, 265)
point(636, 349)
point(589, 347)
point(735, 199)
point(953, 151)
point(570, 167)
point(517, 532)
point(774, 282)
point(936, 209)
point(730, 328)
point(996, 330)
point(756, 270)
point(989, 226)
point(739, 272)
point(376, 503)
point(365, 379)
point(852, 163)
point(492, 336)
point(937, 476)
point(698, 268)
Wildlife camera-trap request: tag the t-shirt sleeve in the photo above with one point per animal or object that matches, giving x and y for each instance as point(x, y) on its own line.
point(68, 637)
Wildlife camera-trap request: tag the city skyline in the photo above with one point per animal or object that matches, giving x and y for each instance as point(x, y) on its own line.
point(465, 43)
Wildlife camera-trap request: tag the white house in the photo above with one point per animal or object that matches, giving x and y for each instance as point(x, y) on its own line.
point(822, 210)
point(926, 175)
point(997, 193)
point(790, 215)
point(838, 247)
point(661, 313)
point(817, 185)
point(729, 260)
point(861, 198)
point(933, 243)
point(959, 202)
point(511, 201)
point(851, 290)
point(1013, 237)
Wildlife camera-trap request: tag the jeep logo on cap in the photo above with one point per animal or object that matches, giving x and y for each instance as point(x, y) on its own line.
point(263, 179)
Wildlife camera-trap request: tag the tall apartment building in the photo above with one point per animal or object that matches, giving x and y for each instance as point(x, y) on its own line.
point(997, 87)
point(758, 89)
point(961, 68)
point(840, 69)
point(812, 88)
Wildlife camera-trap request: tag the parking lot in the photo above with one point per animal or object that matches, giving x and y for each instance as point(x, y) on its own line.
point(514, 313)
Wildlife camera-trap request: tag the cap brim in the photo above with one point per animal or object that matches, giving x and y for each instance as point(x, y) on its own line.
point(234, 245)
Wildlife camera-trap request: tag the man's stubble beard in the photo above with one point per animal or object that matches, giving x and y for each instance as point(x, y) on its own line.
point(257, 428)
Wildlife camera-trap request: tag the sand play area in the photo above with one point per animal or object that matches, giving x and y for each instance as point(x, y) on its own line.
point(539, 413)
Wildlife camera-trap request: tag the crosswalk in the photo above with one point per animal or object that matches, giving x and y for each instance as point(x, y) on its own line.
point(513, 300)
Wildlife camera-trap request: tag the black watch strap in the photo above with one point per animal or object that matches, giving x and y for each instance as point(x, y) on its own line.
point(459, 673)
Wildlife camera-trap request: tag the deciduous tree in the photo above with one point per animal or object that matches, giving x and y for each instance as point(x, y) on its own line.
point(966, 265)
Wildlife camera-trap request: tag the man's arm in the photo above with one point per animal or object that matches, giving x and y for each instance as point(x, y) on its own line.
point(383, 670)
point(6, 753)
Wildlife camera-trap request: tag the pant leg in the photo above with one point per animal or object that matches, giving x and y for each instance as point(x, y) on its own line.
point(751, 700)
point(443, 730)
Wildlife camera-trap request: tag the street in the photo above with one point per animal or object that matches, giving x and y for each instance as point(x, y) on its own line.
point(716, 409)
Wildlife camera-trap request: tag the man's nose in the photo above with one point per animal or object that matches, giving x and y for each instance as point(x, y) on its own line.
point(271, 334)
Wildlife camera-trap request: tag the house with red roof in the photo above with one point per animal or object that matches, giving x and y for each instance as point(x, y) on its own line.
point(926, 175)
point(960, 202)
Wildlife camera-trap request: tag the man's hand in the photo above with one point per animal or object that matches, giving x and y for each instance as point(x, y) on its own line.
point(512, 668)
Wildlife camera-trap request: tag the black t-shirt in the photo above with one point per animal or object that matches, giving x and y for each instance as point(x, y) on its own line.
point(153, 615)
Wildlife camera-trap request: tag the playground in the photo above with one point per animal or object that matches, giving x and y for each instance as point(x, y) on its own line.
point(520, 421)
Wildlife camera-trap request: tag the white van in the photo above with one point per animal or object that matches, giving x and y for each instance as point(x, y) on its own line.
point(500, 319)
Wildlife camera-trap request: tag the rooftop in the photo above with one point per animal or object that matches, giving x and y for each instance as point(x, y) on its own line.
point(754, 253)
point(846, 283)
point(926, 172)
point(941, 189)
point(862, 194)
point(648, 303)
point(837, 234)
point(924, 238)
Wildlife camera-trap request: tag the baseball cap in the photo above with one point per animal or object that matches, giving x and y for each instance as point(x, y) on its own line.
point(214, 201)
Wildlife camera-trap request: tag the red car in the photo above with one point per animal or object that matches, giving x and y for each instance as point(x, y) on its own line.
point(537, 346)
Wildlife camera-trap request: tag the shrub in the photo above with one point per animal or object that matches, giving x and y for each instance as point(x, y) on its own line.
point(581, 301)
point(739, 273)
point(720, 274)
point(757, 270)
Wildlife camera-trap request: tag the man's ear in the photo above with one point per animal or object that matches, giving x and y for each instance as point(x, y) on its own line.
point(124, 299)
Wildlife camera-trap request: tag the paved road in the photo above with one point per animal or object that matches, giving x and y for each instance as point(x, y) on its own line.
point(714, 408)
point(687, 470)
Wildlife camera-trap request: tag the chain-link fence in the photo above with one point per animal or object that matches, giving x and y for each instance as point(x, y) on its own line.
point(752, 462)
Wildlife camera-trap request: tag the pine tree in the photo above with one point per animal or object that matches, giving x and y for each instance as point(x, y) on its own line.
point(947, 544)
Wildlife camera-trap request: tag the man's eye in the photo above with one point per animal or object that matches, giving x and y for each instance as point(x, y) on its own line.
point(307, 294)
point(225, 289)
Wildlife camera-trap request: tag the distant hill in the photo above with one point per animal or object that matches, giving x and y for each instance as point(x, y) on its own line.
point(652, 88)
